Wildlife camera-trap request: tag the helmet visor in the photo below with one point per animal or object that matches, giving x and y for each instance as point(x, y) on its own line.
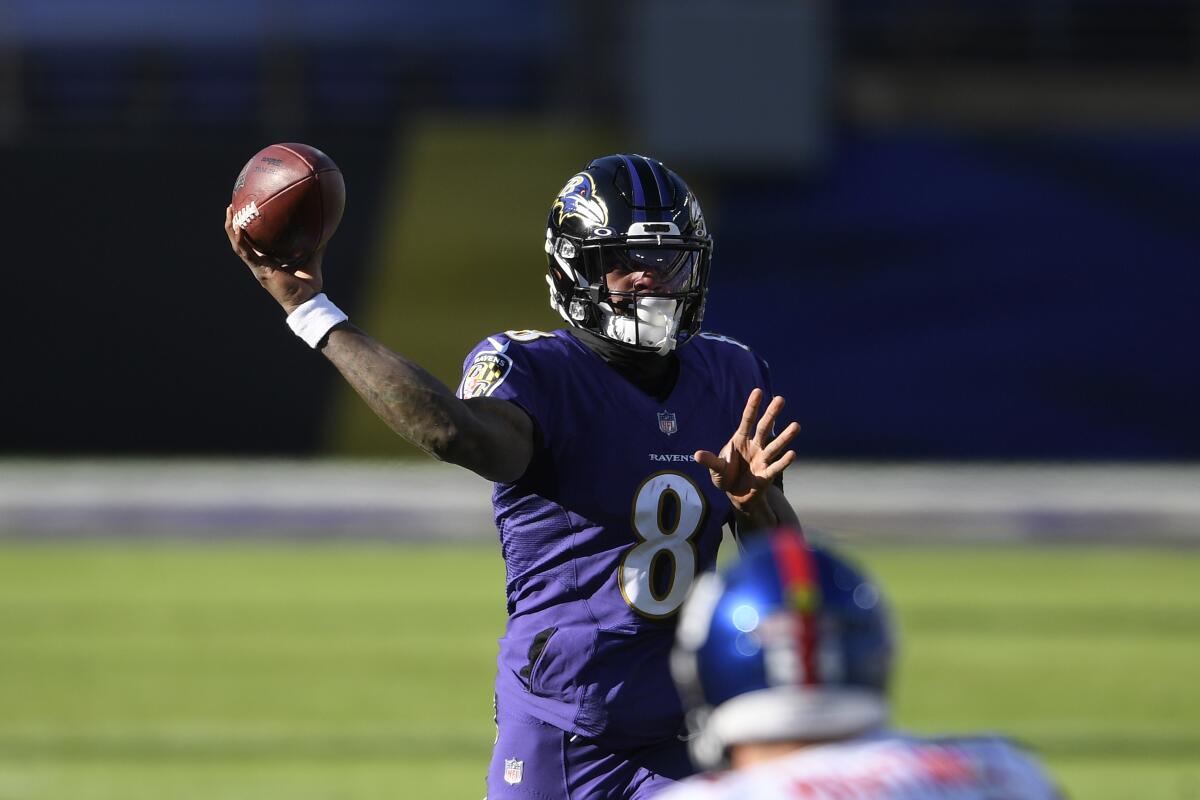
point(672, 270)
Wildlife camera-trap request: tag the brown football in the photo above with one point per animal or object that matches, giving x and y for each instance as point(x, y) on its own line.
point(288, 200)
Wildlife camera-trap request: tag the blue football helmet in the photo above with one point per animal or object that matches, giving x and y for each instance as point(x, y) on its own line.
point(791, 643)
point(624, 215)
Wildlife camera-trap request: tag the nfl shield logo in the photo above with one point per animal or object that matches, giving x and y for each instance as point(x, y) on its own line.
point(666, 422)
point(512, 771)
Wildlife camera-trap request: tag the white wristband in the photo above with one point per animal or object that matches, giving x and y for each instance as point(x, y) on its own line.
point(313, 319)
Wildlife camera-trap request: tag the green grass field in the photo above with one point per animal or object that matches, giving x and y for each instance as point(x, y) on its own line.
point(217, 670)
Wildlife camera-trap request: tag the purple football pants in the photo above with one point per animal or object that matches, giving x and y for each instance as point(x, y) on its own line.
point(536, 761)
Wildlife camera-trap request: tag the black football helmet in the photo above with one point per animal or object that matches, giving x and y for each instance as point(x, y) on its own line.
point(626, 214)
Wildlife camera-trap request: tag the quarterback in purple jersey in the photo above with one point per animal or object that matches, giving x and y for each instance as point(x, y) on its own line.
point(610, 445)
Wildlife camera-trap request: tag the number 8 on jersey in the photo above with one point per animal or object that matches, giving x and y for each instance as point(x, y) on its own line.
point(668, 510)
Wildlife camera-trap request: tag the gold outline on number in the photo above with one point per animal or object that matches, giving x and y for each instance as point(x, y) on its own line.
point(641, 540)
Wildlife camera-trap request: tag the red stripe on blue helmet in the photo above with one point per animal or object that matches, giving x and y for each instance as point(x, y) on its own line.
point(801, 594)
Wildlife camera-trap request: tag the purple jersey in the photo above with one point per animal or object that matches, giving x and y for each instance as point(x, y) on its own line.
point(612, 521)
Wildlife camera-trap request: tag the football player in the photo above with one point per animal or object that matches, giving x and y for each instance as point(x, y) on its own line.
point(783, 664)
point(609, 444)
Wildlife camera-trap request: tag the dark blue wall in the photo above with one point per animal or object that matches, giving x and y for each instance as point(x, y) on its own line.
point(936, 296)
point(922, 296)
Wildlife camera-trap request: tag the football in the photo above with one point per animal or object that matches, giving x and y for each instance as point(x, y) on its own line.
point(288, 200)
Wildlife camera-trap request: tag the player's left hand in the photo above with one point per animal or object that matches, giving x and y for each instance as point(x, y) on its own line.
point(748, 464)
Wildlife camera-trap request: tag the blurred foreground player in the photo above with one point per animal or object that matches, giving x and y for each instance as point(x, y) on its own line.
point(783, 664)
point(607, 501)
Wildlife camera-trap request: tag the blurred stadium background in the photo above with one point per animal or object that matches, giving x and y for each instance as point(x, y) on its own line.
point(964, 235)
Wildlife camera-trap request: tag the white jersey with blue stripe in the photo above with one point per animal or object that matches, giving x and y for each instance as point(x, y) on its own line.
point(885, 767)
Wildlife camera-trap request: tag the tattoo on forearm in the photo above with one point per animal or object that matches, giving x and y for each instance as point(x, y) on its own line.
point(403, 394)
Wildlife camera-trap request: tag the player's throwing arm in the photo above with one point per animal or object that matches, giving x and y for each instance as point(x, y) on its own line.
point(490, 437)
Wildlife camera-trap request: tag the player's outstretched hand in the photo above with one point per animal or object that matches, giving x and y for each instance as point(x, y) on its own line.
point(749, 462)
point(290, 288)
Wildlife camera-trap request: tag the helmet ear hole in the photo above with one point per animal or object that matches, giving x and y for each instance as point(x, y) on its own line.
point(565, 248)
point(577, 311)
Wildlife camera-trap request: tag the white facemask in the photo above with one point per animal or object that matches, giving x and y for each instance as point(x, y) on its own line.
point(656, 324)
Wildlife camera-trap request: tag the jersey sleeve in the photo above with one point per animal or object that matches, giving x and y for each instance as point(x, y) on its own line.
point(506, 369)
point(764, 375)
point(1018, 773)
point(732, 354)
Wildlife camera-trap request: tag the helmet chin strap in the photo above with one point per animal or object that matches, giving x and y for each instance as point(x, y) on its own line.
point(655, 326)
